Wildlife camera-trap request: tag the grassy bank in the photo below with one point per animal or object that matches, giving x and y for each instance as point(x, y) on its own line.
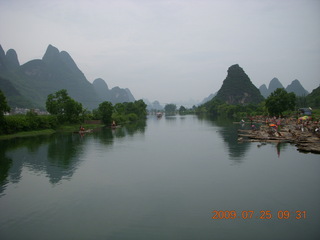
point(27, 134)
point(63, 128)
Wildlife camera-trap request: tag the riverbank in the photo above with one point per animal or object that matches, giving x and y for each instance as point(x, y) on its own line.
point(75, 127)
point(64, 128)
point(304, 134)
point(27, 134)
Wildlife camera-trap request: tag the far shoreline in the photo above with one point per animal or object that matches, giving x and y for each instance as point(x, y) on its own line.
point(63, 128)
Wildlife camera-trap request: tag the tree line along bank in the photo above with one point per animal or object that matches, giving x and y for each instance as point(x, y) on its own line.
point(64, 110)
point(279, 103)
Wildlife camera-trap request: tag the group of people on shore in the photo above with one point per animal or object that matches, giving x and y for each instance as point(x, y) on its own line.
point(304, 124)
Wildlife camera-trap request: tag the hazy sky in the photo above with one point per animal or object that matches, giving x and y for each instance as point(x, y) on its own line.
point(171, 50)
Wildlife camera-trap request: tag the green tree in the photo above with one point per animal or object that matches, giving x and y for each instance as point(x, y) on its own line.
point(170, 109)
point(280, 101)
point(141, 108)
point(106, 110)
point(182, 110)
point(313, 99)
point(4, 107)
point(119, 108)
point(64, 107)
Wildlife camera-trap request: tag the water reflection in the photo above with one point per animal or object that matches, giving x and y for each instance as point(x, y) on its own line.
point(57, 156)
point(130, 129)
point(5, 165)
point(171, 119)
point(228, 131)
point(237, 150)
point(63, 153)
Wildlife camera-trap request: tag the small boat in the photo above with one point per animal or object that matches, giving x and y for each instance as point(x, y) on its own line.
point(84, 131)
point(159, 114)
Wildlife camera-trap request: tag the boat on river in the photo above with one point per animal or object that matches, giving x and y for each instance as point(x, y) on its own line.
point(159, 114)
point(84, 131)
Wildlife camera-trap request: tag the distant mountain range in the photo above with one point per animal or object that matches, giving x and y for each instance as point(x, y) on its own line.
point(237, 88)
point(28, 85)
point(294, 87)
point(207, 99)
point(153, 106)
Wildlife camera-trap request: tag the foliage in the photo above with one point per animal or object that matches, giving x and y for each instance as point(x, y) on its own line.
point(301, 102)
point(105, 111)
point(219, 108)
point(313, 99)
point(170, 109)
point(64, 107)
point(129, 111)
point(280, 101)
point(119, 118)
point(182, 110)
point(96, 115)
point(4, 107)
point(19, 123)
point(120, 112)
point(238, 89)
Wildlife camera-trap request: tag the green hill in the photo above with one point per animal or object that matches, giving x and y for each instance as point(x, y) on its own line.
point(237, 88)
point(13, 96)
point(114, 95)
point(36, 79)
point(313, 99)
point(296, 88)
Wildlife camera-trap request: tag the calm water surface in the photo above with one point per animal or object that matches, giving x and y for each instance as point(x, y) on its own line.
point(160, 179)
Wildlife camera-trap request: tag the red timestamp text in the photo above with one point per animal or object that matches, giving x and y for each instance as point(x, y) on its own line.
point(263, 214)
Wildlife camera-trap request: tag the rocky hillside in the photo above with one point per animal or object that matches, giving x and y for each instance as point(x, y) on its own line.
point(295, 87)
point(36, 79)
point(237, 88)
point(313, 99)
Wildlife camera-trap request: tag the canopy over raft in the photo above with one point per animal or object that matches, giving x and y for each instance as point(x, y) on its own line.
point(305, 118)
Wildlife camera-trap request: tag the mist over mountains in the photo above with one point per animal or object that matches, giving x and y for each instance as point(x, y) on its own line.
point(28, 85)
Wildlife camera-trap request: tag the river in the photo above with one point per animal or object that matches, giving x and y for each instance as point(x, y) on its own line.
point(178, 177)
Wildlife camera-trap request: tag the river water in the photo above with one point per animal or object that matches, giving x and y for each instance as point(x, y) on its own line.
point(179, 177)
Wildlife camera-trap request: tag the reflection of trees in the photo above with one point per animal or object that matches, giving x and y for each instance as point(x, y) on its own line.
point(62, 149)
point(63, 153)
point(5, 164)
point(57, 155)
point(136, 127)
point(104, 135)
point(171, 119)
point(13, 154)
point(229, 133)
point(35, 153)
point(130, 129)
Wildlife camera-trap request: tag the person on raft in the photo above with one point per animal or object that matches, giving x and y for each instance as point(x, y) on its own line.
point(81, 128)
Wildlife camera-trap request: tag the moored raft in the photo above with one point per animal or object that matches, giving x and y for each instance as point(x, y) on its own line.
point(306, 139)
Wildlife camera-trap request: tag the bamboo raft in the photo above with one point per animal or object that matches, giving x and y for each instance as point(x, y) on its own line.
point(305, 141)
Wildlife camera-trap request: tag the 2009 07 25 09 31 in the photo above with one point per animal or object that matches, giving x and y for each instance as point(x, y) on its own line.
point(263, 214)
